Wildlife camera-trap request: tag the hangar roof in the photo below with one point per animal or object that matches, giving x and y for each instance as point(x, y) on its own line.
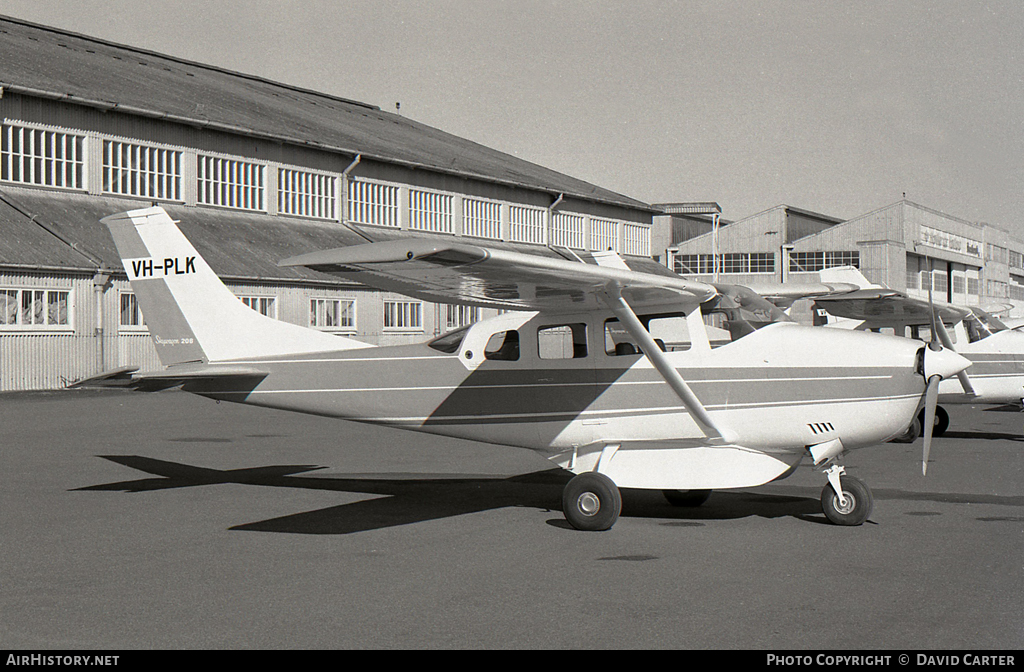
point(48, 62)
point(45, 229)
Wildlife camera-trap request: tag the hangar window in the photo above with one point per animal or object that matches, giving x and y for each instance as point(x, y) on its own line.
point(264, 305)
point(762, 262)
point(373, 203)
point(403, 315)
point(564, 341)
point(693, 264)
point(806, 261)
point(604, 234)
point(818, 261)
point(481, 218)
point(137, 170)
point(733, 262)
point(305, 194)
point(637, 239)
point(130, 317)
point(430, 211)
point(526, 225)
point(736, 262)
point(834, 259)
point(332, 314)
point(35, 308)
point(230, 184)
point(43, 158)
point(567, 230)
point(458, 316)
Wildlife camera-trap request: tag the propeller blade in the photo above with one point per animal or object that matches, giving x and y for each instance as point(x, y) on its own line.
point(934, 344)
point(947, 343)
point(931, 399)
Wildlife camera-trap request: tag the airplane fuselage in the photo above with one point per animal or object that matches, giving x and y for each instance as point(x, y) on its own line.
point(779, 389)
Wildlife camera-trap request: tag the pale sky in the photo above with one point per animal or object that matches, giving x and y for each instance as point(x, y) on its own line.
point(833, 106)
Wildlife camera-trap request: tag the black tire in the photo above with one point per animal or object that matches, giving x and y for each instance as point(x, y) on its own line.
point(591, 502)
point(686, 497)
point(911, 434)
point(859, 502)
point(941, 421)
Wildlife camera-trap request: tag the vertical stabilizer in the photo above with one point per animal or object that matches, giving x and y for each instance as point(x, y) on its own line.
point(192, 316)
point(848, 275)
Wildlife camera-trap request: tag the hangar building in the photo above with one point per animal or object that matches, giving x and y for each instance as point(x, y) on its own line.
point(904, 246)
point(255, 171)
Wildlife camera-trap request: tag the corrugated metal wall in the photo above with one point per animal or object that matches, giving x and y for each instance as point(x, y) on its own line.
point(36, 358)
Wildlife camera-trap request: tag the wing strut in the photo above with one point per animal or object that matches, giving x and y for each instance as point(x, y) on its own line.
point(613, 297)
point(947, 343)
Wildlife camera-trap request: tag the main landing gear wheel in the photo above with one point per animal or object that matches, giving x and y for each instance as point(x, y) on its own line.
point(858, 503)
point(941, 421)
point(913, 431)
point(591, 502)
point(686, 497)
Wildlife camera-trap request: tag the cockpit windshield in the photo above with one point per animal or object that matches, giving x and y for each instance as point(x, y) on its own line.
point(743, 310)
point(980, 324)
point(450, 342)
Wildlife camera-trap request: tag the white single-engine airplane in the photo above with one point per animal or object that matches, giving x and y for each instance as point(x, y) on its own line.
point(996, 352)
point(576, 374)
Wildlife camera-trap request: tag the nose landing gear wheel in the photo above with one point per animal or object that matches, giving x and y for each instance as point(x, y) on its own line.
point(857, 507)
point(591, 502)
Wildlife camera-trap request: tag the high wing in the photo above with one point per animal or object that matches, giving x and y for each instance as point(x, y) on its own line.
point(785, 294)
point(474, 275)
point(885, 307)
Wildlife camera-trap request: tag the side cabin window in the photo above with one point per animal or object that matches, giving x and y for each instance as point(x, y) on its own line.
point(669, 332)
point(503, 346)
point(924, 332)
point(563, 341)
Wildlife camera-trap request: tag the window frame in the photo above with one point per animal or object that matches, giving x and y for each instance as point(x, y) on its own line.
point(68, 326)
point(140, 326)
point(38, 165)
point(314, 313)
point(411, 312)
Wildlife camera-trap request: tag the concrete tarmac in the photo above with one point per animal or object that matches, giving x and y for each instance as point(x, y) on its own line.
point(168, 521)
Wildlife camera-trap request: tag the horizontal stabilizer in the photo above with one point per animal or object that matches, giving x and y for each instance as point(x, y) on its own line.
point(119, 377)
point(197, 376)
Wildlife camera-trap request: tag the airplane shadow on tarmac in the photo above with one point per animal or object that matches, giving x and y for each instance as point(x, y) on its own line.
point(407, 499)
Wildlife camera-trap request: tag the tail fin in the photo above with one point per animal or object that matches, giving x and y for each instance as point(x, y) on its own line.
point(192, 315)
point(846, 274)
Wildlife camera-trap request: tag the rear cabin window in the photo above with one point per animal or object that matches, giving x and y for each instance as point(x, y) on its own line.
point(669, 332)
point(563, 341)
